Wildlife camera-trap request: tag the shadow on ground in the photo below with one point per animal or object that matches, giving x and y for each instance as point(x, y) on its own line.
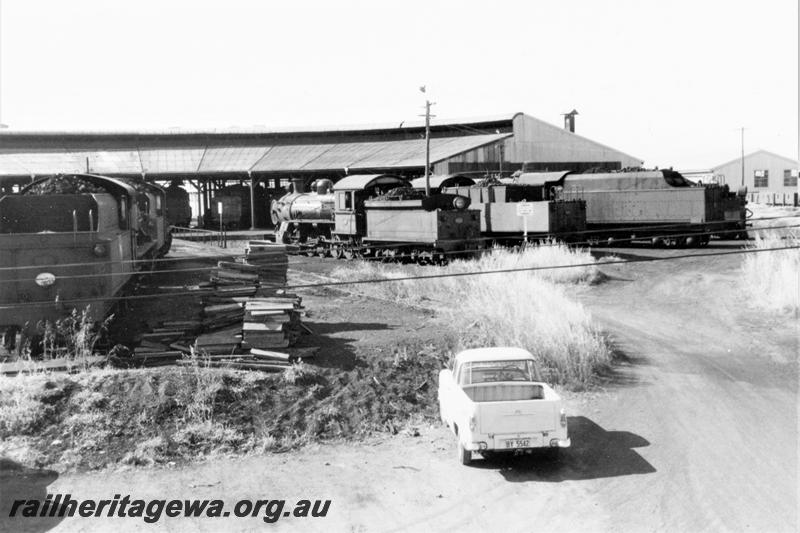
point(336, 352)
point(595, 453)
point(18, 482)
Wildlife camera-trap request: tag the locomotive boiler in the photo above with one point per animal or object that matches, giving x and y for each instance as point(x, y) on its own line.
point(311, 213)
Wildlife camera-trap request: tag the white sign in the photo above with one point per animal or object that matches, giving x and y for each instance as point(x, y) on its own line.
point(219, 207)
point(524, 209)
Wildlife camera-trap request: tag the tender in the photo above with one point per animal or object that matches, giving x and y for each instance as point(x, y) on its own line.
point(494, 400)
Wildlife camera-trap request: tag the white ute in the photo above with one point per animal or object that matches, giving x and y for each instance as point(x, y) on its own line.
point(495, 401)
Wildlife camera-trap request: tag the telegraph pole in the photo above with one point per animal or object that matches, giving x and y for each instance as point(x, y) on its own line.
point(428, 105)
point(742, 156)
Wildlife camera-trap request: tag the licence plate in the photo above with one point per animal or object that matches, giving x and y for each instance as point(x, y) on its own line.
point(517, 443)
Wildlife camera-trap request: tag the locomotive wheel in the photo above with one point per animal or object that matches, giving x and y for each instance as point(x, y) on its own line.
point(348, 253)
point(425, 258)
point(321, 250)
point(337, 252)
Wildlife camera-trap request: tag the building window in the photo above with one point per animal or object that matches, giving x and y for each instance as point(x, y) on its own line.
point(761, 178)
point(790, 177)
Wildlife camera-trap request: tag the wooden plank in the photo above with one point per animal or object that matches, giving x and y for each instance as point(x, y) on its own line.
point(258, 352)
point(222, 308)
point(53, 365)
point(239, 366)
point(178, 324)
point(248, 344)
point(243, 267)
point(224, 273)
point(267, 313)
point(175, 354)
point(249, 327)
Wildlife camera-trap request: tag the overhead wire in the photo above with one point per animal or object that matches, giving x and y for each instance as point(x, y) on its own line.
point(211, 291)
point(395, 245)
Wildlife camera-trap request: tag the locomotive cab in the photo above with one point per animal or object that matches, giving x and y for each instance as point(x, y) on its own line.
point(350, 193)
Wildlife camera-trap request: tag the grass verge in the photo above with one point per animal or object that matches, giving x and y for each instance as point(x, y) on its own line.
point(528, 308)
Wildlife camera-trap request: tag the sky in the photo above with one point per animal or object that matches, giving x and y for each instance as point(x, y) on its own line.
point(668, 81)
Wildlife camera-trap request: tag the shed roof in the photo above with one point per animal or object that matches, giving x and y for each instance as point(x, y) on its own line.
point(267, 157)
point(757, 152)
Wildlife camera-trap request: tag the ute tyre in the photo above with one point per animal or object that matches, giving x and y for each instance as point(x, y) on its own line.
point(464, 455)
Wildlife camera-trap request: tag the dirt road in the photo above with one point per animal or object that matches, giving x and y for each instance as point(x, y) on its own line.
point(696, 430)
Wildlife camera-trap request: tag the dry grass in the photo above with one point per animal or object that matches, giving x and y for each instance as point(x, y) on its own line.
point(527, 309)
point(772, 279)
point(99, 418)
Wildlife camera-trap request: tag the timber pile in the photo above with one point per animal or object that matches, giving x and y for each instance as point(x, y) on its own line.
point(247, 321)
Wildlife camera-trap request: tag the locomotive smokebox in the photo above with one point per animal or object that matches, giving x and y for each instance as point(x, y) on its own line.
point(306, 207)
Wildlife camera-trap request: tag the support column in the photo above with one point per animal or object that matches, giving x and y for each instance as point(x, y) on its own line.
point(252, 200)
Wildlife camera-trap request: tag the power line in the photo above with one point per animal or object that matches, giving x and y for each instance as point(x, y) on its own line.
point(579, 232)
point(202, 292)
point(378, 247)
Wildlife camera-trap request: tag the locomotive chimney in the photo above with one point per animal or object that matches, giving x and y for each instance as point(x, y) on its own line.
point(569, 121)
point(299, 184)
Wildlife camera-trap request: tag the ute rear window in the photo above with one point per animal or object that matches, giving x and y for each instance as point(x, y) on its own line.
point(497, 371)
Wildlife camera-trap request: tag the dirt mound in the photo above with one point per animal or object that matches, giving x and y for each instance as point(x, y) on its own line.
point(97, 419)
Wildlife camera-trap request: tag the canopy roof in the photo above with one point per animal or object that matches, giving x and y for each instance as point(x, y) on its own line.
point(277, 157)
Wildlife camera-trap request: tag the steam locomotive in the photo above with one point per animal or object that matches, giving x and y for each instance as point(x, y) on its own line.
point(72, 241)
point(377, 216)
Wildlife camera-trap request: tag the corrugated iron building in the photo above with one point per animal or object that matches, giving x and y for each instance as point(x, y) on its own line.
point(765, 174)
point(475, 145)
point(210, 159)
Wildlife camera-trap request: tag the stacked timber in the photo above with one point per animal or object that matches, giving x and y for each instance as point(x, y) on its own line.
point(271, 261)
point(248, 321)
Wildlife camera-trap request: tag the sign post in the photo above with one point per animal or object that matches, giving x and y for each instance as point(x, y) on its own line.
point(524, 210)
point(222, 240)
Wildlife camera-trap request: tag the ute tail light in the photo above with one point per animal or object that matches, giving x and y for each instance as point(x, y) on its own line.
point(473, 423)
point(563, 418)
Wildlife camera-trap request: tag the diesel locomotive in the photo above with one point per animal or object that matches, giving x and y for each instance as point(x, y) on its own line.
point(72, 241)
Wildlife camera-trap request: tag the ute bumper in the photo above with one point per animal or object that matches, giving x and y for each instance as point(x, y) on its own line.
point(517, 441)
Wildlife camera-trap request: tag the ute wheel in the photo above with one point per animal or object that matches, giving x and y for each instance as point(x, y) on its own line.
point(464, 455)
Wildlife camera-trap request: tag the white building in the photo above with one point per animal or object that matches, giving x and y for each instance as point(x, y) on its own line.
point(769, 177)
